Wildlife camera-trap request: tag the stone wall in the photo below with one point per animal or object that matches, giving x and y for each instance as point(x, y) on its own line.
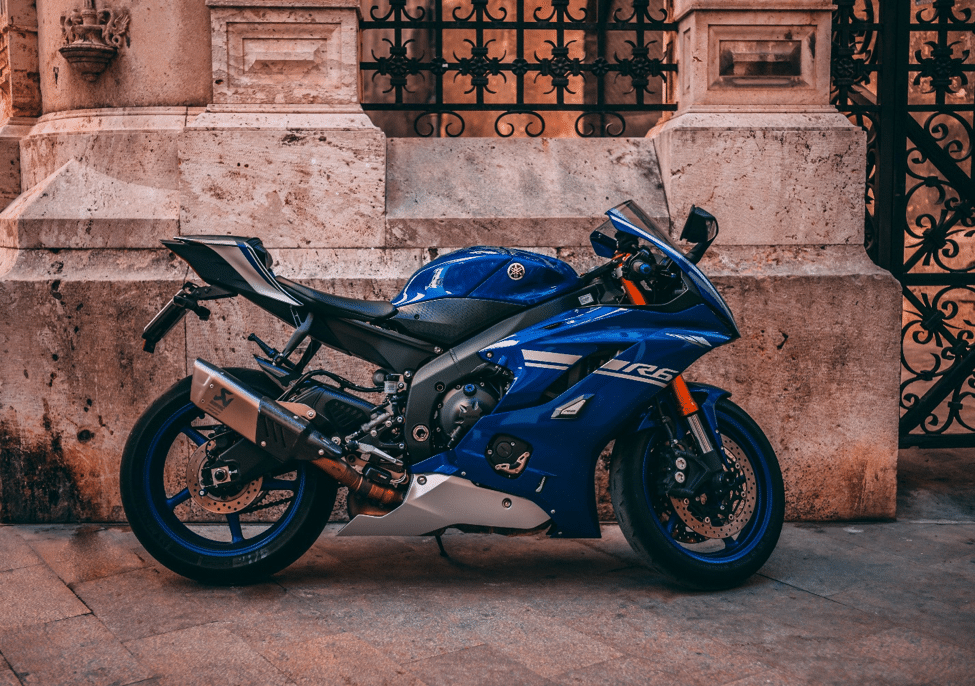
point(245, 147)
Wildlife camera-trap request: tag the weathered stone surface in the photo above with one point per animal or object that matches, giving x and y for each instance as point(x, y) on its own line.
point(34, 595)
point(816, 367)
point(97, 179)
point(20, 88)
point(267, 51)
point(83, 553)
point(10, 135)
point(136, 144)
point(76, 650)
point(741, 55)
point(456, 192)
point(771, 179)
point(209, 654)
point(72, 322)
point(79, 207)
point(174, 33)
point(295, 188)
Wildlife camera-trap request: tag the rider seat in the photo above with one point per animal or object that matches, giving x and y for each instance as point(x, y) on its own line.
point(328, 305)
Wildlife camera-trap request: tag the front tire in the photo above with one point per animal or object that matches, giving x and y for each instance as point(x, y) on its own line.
point(285, 515)
point(654, 524)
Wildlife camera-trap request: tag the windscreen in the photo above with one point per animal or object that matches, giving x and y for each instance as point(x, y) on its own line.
point(636, 222)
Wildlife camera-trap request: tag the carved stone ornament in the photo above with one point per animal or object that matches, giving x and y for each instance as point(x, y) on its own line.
point(92, 38)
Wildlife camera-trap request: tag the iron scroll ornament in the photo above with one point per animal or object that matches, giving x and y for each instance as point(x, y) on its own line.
point(902, 72)
point(596, 61)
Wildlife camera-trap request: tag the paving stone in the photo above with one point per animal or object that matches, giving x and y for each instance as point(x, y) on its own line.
point(343, 660)
point(922, 658)
point(837, 661)
point(811, 560)
point(480, 664)
point(205, 655)
point(34, 595)
point(532, 559)
point(77, 650)
point(152, 601)
point(353, 548)
point(544, 645)
point(619, 672)
point(920, 543)
point(16, 552)
point(84, 553)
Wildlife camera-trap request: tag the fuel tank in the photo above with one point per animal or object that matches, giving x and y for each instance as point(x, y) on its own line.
point(502, 275)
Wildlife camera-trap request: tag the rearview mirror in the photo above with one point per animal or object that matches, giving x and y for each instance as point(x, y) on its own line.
point(700, 227)
point(602, 245)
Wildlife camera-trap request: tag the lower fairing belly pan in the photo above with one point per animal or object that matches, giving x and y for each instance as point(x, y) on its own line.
point(445, 501)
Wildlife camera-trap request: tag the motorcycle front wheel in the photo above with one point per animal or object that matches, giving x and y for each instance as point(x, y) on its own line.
point(230, 538)
point(675, 536)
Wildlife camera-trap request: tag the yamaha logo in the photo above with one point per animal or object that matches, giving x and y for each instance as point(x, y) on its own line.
point(516, 271)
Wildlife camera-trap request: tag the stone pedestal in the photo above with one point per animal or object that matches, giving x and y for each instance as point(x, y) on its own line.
point(285, 149)
point(20, 94)
point(756, 143)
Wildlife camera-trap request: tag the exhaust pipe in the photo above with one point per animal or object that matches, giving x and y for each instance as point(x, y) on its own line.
point(277, 430)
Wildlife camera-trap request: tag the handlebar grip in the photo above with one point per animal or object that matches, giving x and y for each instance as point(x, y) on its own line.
point(642, 268)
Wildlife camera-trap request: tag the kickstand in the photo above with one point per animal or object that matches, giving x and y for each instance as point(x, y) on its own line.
point(443, 553)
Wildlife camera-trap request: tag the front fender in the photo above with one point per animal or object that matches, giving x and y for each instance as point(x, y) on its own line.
point(706, 397)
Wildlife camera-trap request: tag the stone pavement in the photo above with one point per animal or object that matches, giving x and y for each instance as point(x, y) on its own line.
point(863, 603)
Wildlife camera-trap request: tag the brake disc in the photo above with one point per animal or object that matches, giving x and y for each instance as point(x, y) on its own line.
point(213, 502)
point(739, 504)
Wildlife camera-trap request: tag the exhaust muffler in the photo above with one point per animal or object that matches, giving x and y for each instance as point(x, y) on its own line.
point(278, 430)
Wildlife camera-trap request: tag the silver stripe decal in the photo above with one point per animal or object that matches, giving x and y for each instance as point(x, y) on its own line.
point(556, 358)
point(631, 378)
point(546, 366)
point(234, 256)
point(614, 365)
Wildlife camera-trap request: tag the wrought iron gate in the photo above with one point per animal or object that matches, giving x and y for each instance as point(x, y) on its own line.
point(902, 70)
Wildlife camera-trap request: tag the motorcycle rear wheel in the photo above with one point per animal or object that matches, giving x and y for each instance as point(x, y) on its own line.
point(655, 525)
point(227, 549)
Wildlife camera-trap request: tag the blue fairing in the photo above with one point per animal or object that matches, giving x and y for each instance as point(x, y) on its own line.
point(696, 276)
point(645, 350)
point(487, 274)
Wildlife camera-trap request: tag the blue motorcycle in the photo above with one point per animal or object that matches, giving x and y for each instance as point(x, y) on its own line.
point(501, 377)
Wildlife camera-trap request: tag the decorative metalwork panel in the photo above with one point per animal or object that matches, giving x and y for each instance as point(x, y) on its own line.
point(903, 71)
point(516, 67)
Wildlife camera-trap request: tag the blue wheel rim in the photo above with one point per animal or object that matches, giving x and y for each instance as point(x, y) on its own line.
point(754, 531)
point(162, 507)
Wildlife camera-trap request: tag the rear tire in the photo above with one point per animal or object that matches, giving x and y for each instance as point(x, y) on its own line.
point(654, 524)
point(235, 548)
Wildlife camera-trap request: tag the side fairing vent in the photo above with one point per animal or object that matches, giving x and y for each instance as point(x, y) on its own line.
point(581, 369)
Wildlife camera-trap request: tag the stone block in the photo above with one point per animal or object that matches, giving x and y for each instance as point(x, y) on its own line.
point(97, 179)
point(76, 378)
point(11, 133)
point(818, 367)
point(173, 33)
point(76, 650)
point(265, 51)
point(753, 56)
point(79, 207)
point(295, 187)
point(551, 192)
point(137, 145)
point(771, 179)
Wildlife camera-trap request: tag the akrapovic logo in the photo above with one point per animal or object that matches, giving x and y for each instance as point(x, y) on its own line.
point(220, 402)
point(637, 371)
